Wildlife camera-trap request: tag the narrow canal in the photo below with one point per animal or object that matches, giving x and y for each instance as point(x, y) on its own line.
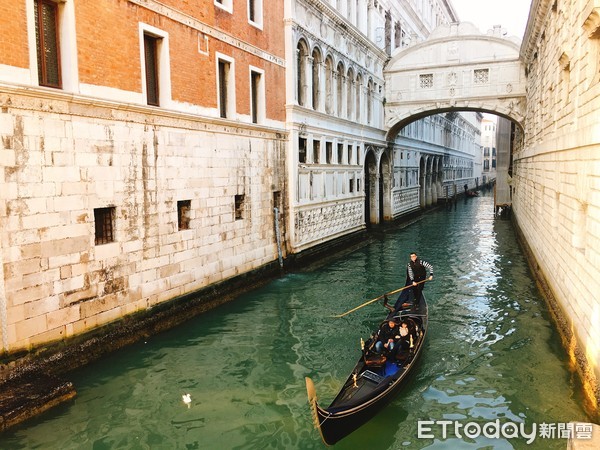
point(491, 354)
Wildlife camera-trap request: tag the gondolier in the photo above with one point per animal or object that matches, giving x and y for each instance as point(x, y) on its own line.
point(416, 272)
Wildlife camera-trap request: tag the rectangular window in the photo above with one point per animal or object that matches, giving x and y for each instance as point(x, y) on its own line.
point(239, 207)
point(328, 152)
point(257, 96)
point(340, 153)
point(48, 49)
point(255, 13)
point(184, 208)
point(350, 148)
point(351, 185)
point(316, 151)
point(225, 88)
point(301, 150)
point(227, 5)
point(104, 225)
point(151, 67)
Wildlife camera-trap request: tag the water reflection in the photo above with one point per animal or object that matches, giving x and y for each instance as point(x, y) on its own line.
point(491, 354)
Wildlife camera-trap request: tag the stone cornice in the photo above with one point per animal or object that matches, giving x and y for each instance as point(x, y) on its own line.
point(327, 11)
point(215, 33)
point(84, 106)
point(538, 14)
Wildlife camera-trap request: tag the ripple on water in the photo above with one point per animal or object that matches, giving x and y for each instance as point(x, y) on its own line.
point(491, 354)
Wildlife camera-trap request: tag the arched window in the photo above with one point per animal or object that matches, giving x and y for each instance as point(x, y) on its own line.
point(358, 94)
point(316, 78)
point(350, 94)
point(301, 54)
point(340, 89)
point(369, 101)
point(329, 85)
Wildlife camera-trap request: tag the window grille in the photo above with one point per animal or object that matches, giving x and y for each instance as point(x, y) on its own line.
point(46, 35)
point(426, 80)
point(104, 225)
point(481, 76)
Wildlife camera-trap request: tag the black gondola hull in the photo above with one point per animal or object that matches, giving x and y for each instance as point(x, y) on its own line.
point(344, 416)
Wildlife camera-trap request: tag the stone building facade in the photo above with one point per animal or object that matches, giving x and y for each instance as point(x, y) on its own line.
point(138, 170)
point(556, 171)
point(345, 173)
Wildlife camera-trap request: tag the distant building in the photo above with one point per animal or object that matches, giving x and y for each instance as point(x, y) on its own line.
point(488, 148)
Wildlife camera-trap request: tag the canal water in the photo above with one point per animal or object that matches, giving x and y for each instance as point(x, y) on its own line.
point(492, 357)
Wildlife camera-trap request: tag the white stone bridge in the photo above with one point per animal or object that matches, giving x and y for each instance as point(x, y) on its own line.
point(456, 69)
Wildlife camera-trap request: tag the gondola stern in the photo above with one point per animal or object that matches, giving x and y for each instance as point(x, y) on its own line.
point(314, 406)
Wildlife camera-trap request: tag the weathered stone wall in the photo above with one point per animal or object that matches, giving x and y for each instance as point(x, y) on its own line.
point(557, 171)
point(62, 157)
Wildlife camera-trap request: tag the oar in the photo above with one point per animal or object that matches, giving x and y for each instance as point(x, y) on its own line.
point(378, 298)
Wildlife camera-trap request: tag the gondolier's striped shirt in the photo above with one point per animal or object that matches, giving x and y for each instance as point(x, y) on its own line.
point(425, 264)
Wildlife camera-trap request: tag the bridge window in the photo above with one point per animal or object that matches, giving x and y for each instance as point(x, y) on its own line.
point(481, 76)
point(426, 80)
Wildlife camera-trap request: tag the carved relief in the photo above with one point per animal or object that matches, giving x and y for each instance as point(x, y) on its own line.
point(327, 220)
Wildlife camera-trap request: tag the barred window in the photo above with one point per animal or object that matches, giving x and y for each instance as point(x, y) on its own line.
point(481, 76)
point(183, 214)
point(104, 224)
point(46, 35)
point(426, 80)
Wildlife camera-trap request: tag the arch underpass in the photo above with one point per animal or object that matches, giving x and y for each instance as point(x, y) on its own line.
point(457, 68)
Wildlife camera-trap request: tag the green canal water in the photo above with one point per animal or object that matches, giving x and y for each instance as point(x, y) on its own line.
point(492, 355)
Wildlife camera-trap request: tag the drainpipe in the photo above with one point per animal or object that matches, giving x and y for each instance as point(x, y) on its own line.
point(278, 236)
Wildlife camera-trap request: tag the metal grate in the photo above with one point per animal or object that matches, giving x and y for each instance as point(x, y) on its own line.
point(426, 80)
point(481, 76)
point(104, 224)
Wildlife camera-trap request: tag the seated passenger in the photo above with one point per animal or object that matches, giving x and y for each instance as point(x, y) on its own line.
point(387, 335)
point(404, 341)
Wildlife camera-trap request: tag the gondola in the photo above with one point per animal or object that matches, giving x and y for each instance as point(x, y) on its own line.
point(377, 377)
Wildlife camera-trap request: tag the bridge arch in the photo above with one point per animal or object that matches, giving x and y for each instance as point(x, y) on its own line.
point(457, 68)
